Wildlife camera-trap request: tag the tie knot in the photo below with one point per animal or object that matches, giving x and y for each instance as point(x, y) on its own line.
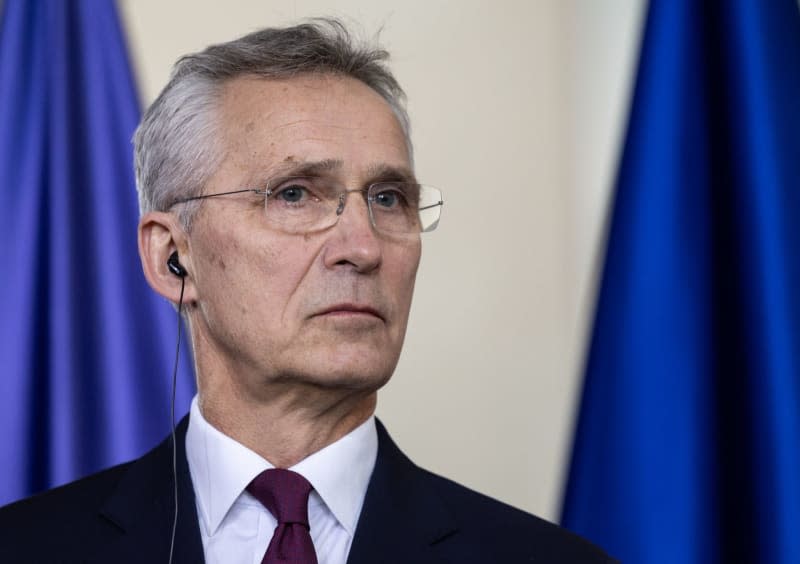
point(284, 493)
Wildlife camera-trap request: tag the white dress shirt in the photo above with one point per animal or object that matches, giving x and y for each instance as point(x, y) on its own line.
point(236, 528)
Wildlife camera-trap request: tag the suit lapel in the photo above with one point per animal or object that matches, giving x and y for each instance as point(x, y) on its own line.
point(142, 508)
point(402, 517)
point(401, 520)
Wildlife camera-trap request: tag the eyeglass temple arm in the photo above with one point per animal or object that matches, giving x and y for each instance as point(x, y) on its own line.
point(439, 203)
point(203, 197)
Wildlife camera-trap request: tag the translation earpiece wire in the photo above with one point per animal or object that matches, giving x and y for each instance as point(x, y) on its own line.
point(172, 417)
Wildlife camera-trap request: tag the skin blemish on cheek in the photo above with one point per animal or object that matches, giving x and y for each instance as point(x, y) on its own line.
point(216, 259)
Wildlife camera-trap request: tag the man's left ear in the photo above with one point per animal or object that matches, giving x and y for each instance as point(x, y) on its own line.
point(163, 250)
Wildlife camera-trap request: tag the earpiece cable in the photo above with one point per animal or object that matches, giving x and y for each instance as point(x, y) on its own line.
point(172, 416)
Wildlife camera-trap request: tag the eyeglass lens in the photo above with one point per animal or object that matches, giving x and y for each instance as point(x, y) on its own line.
point(299, 205)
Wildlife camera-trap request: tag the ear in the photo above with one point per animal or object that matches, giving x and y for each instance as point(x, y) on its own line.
point(160, 235)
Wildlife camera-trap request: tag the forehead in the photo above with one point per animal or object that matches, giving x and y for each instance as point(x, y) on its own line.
point(267, 123)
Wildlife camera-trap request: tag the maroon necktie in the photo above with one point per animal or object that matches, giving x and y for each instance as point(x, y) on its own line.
point(285, 494)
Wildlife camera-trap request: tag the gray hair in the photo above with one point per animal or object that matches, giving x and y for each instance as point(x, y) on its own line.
point(175, 147)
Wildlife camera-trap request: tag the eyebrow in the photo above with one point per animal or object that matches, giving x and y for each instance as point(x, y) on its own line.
point(308, 168)
point(376, 172)
point(388, 172)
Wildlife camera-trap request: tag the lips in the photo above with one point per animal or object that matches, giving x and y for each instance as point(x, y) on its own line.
point(346, 309)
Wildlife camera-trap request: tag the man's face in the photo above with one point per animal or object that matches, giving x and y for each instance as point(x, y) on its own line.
point(327, 308)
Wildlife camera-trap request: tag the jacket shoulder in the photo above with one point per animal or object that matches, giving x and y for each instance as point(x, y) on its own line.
point(66, 516)
point(81, 495)
point(452, 523)
point(515, 534)
point(124, 514)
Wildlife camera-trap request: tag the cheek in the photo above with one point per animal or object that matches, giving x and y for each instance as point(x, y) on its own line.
point(404, 274)
point(249, 289)
point(232, 267)
point(278, 273)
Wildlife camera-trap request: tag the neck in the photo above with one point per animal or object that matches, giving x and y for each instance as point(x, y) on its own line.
point(284, 418)
point(293, 423)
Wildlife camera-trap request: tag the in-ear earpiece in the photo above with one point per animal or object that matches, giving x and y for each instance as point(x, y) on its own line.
point(175, 266)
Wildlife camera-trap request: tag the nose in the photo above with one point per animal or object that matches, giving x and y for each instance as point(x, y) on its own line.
point(353, 240)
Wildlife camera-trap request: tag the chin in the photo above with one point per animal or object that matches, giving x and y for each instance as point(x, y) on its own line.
point(366, 383)
point(352, 371)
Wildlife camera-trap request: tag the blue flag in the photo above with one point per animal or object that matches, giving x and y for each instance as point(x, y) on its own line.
point(687, 448)
point(86, 348)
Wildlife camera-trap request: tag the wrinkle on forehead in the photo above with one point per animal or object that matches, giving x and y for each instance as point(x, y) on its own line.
point(269, 125)
point(294, 123)
point(313, 92)
point(291, 166)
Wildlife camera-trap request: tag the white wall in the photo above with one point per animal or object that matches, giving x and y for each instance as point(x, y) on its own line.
point(516, 109)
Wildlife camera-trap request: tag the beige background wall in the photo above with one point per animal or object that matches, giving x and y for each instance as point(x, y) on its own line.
point(516, 109)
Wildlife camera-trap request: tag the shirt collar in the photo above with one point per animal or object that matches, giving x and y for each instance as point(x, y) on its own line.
point(221, 469)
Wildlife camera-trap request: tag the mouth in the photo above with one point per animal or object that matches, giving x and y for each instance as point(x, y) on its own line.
point(347, 310)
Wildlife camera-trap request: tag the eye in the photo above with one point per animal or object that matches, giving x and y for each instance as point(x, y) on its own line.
point(386, 198)
point(292, 193)
point(390, 196)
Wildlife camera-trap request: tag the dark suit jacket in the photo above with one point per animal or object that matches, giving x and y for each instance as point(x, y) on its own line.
point(124, 515)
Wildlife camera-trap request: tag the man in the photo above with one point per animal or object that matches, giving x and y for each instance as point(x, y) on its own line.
point(281, 212)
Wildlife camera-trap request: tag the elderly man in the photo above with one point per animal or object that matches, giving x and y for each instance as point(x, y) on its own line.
point(281, 212)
